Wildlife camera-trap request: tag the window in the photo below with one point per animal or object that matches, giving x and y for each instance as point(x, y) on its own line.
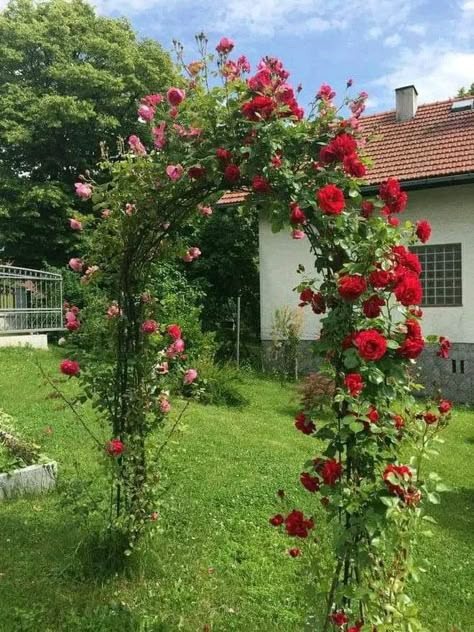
point(441, 276)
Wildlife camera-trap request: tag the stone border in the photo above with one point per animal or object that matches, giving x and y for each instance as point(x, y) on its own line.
point(33, 479)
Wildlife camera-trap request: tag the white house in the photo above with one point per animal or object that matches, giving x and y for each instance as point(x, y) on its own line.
point(430, 149)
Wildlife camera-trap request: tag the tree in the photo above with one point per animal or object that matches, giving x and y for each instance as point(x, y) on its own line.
point(466, 92)
point(69, 80)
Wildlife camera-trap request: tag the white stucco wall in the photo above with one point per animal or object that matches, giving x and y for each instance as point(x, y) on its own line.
point(450, 211)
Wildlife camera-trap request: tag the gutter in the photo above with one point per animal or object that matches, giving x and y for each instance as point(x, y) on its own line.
point(426, 183)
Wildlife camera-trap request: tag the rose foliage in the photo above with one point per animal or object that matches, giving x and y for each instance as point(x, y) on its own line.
point(305, 171)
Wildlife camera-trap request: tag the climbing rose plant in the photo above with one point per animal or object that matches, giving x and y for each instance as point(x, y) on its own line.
point(305, 172)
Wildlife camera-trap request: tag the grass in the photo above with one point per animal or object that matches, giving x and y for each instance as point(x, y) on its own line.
point(217, 562)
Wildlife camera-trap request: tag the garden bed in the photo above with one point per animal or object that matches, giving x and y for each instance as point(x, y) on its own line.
point(23, 470)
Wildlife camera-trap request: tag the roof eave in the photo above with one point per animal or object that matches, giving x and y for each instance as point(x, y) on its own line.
point(426, 183)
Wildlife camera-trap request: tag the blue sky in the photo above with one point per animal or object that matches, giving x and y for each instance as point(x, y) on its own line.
point(381, 44)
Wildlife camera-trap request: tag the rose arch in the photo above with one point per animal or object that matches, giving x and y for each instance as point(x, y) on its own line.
point(306, 172)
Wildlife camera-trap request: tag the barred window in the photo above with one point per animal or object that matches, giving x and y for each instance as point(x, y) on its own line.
point(441, 276)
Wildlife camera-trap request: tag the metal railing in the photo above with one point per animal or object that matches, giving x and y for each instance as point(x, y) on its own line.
point(30, 300)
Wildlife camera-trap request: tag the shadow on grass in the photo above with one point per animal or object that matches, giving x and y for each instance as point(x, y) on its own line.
point(455, 512)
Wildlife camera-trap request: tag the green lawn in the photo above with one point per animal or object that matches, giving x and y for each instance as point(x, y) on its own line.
point(217, 563)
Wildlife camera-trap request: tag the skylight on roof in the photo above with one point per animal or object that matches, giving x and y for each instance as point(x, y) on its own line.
point(464, 104)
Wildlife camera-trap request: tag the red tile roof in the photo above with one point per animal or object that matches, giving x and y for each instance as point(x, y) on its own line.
point(436, 142)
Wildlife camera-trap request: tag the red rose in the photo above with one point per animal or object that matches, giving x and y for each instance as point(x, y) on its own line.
point(232, 173)
point(297, 216)
point(296, 524)
point(174, 331)
point(411, 348)
point(223, 154)
point(397, 205)
point(339, 619)
point(258, 108)
point(311, 483)
point(115, 447)
point(294, 552)
point(304, 424)
point(318, 304)
point(409, 290)
point(406, 259)
point(149, 327)
point(354, 167)
point(350, 287)
point(444, 406)
point(70, 367)
point(373, 414)
point(340, 147)
point(389, 189)
point(430, 418)
point(423, 231)
point(348, 341)
point(393, 221)
point(398, 421)
point(277, 520)
point(379, 279)
point(370, 344)
point(444, 348)
point(354, 383)
point(367, 208)
point(306, 296)
point(261, 185)
point(372, 306)
point(401, 472)
point(331, 199)
point(331, 471)
point(196, 172)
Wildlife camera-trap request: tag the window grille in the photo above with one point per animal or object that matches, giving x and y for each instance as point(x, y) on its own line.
point(441, 277)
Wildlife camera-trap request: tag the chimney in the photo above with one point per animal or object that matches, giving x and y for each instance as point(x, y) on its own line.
point(406, 102)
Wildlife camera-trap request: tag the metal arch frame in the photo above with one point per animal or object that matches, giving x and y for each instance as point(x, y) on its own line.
point(48, 316)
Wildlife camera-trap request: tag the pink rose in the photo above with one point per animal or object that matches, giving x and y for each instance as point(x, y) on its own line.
point(159, 134)
point(175, 96)
point(113, 310)
point(194, 252)
point(70, 368)
point(165, 406)
point(76, 264)
point(146, 113)
point(187, 258)
point(150, 327)
point(225, 46)
point(190, 376)
point(205, 211)
point(130, 209)
point(174, 172)
point(297, 234)
point(136, 145)
point(178, 345)
point(106, 213)
point(75, 224)
point(84, 191)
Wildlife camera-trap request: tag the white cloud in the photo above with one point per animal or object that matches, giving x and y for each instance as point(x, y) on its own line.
point(468, 5)
point(437, 71)
point(266, 18)
point(417, 29)
point(392, 41)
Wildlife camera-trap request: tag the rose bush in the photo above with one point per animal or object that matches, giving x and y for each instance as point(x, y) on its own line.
point(304, 172)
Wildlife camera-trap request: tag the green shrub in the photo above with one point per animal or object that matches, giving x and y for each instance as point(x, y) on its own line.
point(220, 384)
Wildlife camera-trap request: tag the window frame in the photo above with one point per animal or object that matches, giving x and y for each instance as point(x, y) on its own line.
point(440, 267)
